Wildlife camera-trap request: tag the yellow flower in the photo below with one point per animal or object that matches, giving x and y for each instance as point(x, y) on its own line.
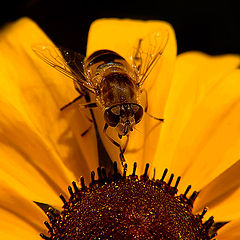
point(42, 150)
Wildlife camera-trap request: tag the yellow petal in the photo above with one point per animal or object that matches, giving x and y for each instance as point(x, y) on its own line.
point(122, 36)
point(20, 176)
point(18, 225)
point(211, 137)
point(226, 206)
point(231, 231)
point(44, 139)
point(221, 195)
point(203, 90)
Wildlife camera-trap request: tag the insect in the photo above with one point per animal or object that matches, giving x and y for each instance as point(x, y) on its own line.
point(115, 82)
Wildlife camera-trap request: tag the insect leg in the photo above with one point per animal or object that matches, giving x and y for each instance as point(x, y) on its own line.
point(116, 144)
point(122, 151)
point(78, 89)
point(70, 103)
point(86, 131)
point(81, 94)
point(146, 108)
point(125, 145)
point(111, 140)
point(88, 105)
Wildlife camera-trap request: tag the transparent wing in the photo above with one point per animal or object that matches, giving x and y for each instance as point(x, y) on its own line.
point(65, 61)
point(147, 52)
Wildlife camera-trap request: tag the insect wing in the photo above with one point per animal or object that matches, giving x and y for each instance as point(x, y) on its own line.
point(74, 60)
point(65, 61)
point(147, 52)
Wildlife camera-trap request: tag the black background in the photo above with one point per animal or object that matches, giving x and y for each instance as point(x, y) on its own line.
point(210, 26)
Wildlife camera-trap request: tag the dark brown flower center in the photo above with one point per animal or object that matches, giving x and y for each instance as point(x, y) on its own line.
point(120, 207)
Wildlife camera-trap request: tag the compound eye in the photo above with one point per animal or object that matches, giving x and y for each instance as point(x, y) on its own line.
point(138, 114)
point(111, 118)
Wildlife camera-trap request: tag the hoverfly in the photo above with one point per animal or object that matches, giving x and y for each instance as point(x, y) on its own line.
point(115, 82)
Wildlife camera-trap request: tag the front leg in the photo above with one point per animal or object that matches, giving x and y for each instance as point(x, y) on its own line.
point(122, 150)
